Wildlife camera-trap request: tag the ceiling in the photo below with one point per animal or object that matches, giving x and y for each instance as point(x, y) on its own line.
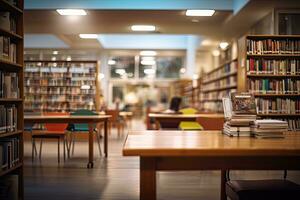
point(223, 25)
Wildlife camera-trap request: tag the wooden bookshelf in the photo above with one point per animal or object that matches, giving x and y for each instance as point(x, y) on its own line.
point(61, 85)
point(218, 83)
point(272, 71)
point(13, 64)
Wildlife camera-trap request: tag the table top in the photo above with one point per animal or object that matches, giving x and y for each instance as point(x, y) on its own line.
point(65, 118)
point(207, 143)
point(172, 115)
point(125, 113)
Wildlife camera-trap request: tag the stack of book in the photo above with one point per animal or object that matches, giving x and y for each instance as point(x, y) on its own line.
point(240, 113)
point(269, 128)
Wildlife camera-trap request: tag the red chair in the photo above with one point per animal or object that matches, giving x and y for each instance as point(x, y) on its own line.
point(52, 131)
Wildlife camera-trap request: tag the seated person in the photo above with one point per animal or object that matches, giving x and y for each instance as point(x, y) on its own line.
point(174, 105)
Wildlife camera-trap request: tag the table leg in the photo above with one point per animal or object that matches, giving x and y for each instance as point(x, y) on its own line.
point(223, 185)
point(147, 178)
point(105, 139)
point(91, 147)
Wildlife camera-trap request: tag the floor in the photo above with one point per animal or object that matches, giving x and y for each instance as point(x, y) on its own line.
point(117, 177)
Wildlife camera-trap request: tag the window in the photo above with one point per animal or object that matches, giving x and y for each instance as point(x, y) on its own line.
point(121, 67)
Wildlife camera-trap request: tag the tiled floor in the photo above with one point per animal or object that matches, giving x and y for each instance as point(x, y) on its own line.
point(117, 177)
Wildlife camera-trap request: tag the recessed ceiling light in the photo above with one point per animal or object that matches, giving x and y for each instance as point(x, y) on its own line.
point(88, 36)
point(55, 52)
point(111, 62)
point(223, 45)
point(199, 12)
point(72, 12)
point(148, 62)
point(148, 53)
point(143, 28)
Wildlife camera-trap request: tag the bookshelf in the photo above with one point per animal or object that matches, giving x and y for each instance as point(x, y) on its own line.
point(218, 83)
point(11, 95)
point(189, 91)
point(63, 86)
point(272, 71)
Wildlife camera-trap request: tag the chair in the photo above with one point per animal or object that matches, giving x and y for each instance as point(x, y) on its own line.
point(115, 120)
point(52, 131)
point(189, 125)
point(83, 128)
point(262, 189)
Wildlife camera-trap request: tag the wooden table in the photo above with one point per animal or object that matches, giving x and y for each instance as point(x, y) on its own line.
point(207, 150)
point(90, 120)
point(127, 115)
point(172, 121)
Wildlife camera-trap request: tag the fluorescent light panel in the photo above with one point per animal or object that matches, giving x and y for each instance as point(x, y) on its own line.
point(88, 36)
point(148, 53)
point(71, 12)
point(143, 28)
point(200, 13)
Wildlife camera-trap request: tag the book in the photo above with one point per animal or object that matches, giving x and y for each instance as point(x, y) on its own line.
point(5, 20)
point(243, 103)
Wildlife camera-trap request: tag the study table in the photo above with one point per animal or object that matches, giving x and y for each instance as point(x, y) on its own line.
point(90, 120)
point(207, 150)
point(172, 121)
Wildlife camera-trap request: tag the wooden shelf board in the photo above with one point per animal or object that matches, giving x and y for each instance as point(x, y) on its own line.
point(61, 61)
point(278, 115)
point(11, 100)
point(277, 95)
point(10, 134)
point(5, 6)
point(273, 55)
point(2, 173)
point(13, 36)
point(5, 64)
point(272, 36)
point(273, 75)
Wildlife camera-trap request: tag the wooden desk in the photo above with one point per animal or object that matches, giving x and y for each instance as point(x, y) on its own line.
point(172, 121)
point(207, 150)
point(90, 120)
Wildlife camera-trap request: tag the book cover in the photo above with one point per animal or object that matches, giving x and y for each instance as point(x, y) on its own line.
point(243, 103)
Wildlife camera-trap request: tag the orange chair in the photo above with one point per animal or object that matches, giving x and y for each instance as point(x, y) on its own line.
point(53, 131)
point(115, 120)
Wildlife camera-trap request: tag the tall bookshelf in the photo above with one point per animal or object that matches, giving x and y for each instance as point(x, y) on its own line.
point(11, 95)
point(63, 86)
point(218, 83)
point(189, 91)
point(272, 71)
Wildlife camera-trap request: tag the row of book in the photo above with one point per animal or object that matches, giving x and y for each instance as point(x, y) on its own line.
point(8, 118)
point(8, 49)
point(223, 71)
point(278, 106)
point(7, 22)
point(212, 106)
point(216, 95)
point(223, 83)
point(274, 86)
point(274, 67)
point(269, 128)
point(9, 152)
point(273, 46)
point(293, 123)
point(9, 85)
point(58, 82)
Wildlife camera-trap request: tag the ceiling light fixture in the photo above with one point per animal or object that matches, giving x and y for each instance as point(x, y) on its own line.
point(55, 52)
point(88, 36)
point(148, 62)
point(71, 12)
point(200, 13)
point(143, 28)
point(148, 53)
point(223, 45)
point(148, 58)
point(111, 62)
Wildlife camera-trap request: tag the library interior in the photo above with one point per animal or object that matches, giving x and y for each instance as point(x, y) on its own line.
point(149, 99)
